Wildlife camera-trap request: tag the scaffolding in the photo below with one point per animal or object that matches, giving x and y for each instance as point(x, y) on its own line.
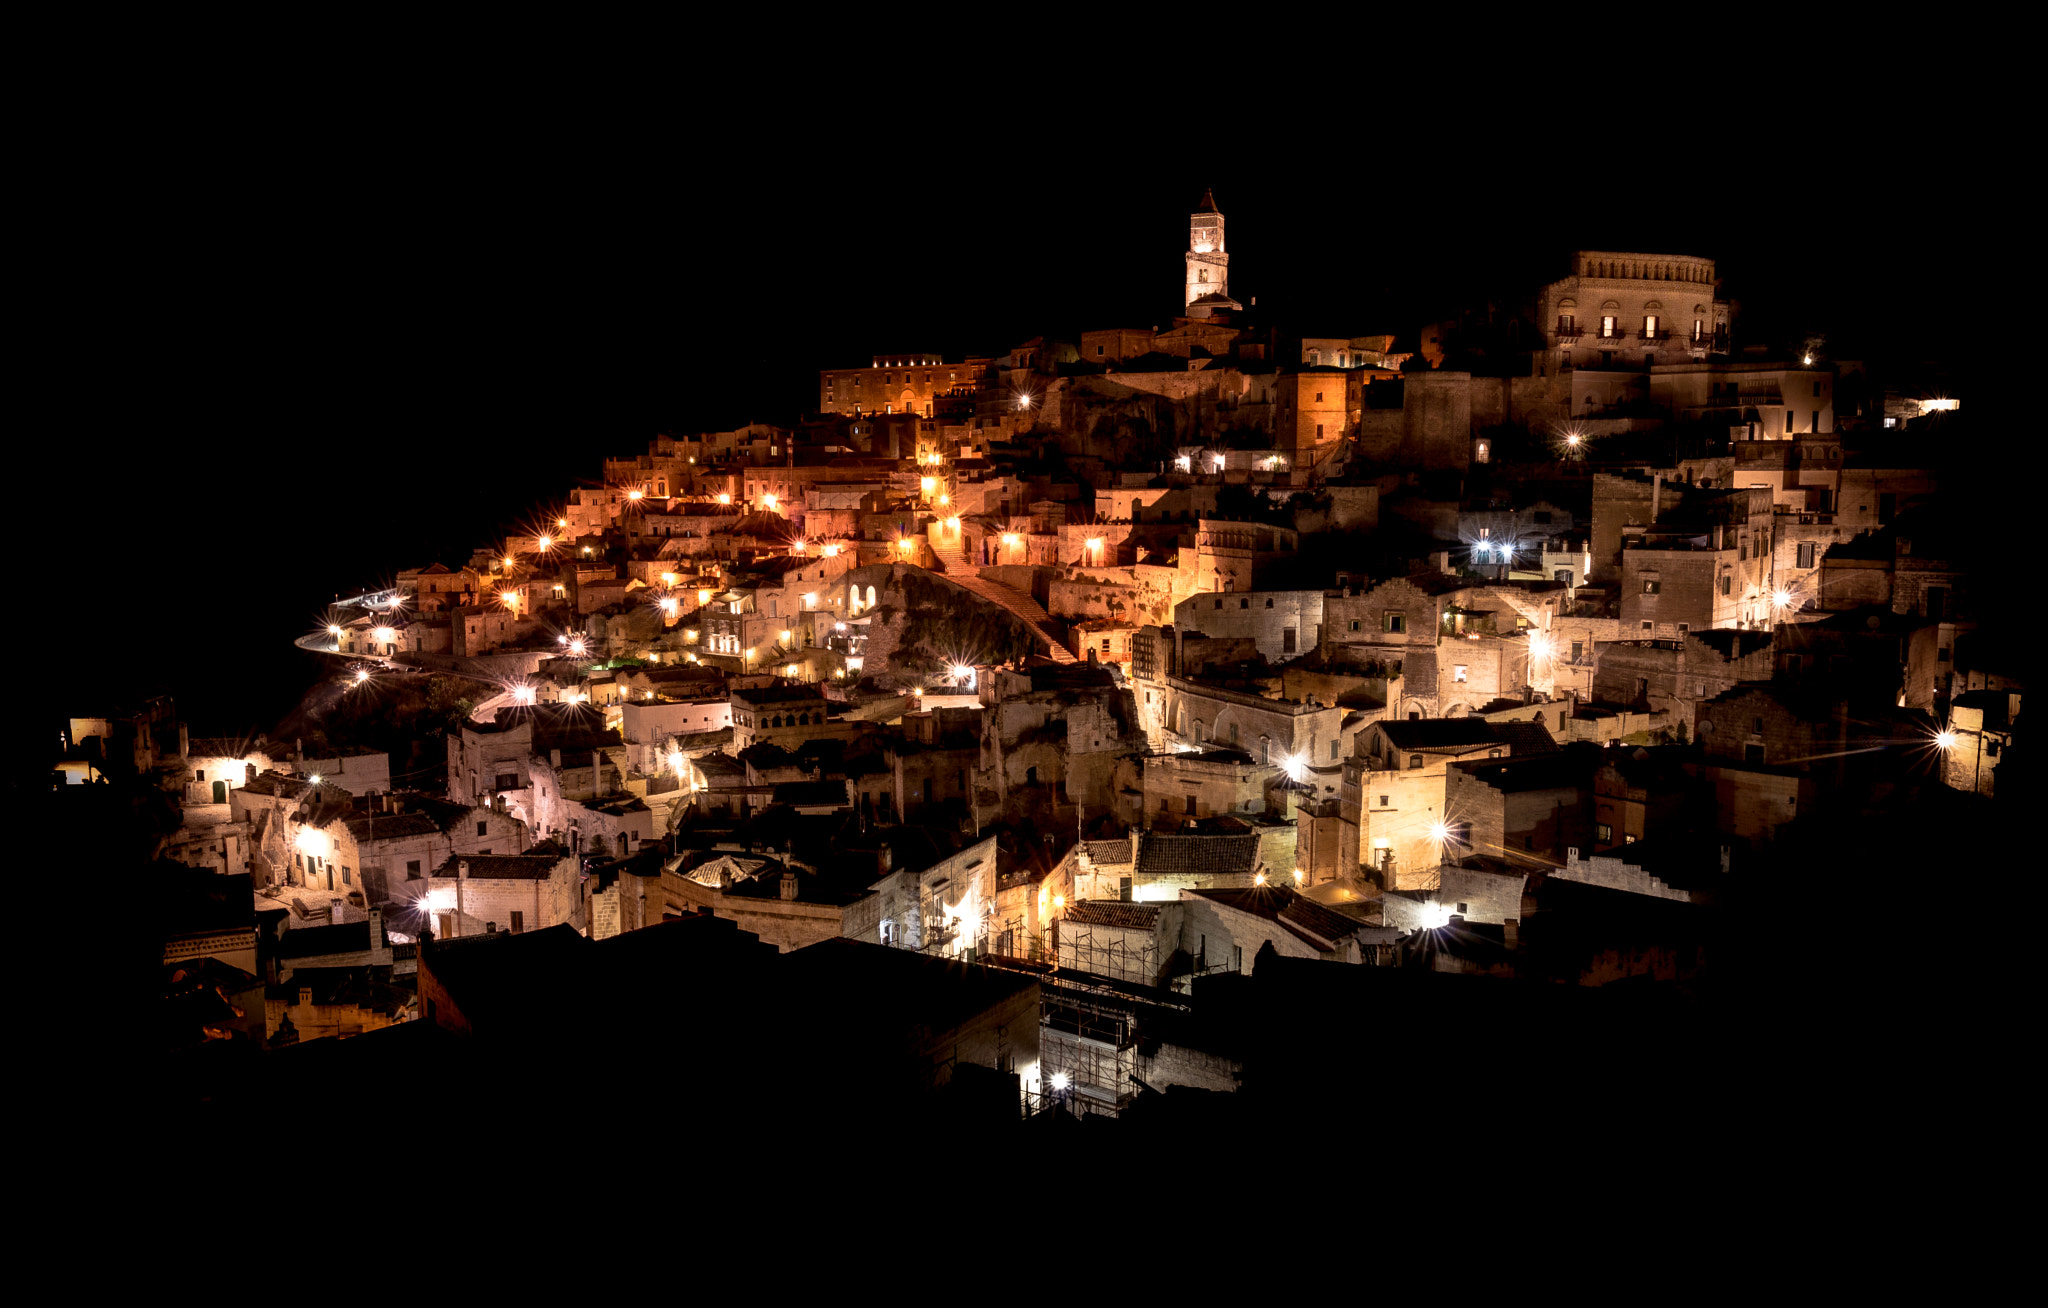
point(1091, 1038)
point(1108, 954)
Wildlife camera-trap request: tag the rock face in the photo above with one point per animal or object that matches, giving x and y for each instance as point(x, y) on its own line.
point(925, 620)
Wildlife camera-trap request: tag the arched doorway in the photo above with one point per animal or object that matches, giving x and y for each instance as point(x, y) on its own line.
point(220, 792)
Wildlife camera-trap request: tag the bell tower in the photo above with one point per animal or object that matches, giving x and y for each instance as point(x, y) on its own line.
point(1208, 263)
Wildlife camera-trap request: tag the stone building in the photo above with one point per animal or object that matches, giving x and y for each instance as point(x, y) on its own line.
point(485, 893)
point(1285, 624)
point(1675, 675)
point(1631, 312)
point(1208, 262)
point(1524, 810)
point(1394, 789)
point(1706, 565)
point(487, 758)
point(1980, 731)
point(897, 383)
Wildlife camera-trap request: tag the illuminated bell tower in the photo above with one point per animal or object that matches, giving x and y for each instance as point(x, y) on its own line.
point(1208, 264)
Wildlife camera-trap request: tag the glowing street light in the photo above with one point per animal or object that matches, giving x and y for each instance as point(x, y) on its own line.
point(362, 675)
point(562, 523)
point(1782, 598)
point(669, 605)
point(522, 694)
point(929, 484)
point(1060, 1082)
point(1946, 739)
point(904, 545)
point(785, 635)
point(576, 647)
point(314, 779)
point(768, 500)
point(333, 630)
point(636, 495)
point(1300, 877)
point(546, 542)
point(1011, 539)
point(830, 551)
point(668, 578)
point(724, 498)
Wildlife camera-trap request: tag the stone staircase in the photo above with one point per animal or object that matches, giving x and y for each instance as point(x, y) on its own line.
point(954, 567)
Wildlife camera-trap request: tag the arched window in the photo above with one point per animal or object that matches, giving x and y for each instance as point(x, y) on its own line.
point(1202, 275)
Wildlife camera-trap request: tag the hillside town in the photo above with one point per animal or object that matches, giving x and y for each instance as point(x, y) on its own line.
point(1080, 732)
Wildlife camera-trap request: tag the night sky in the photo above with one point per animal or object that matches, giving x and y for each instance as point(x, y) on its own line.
point(366, 353)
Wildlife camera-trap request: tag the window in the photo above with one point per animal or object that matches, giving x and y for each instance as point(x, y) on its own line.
point(1334, 745)
point(1684, 627)
point(345, 880)
point(1806, 551)
point(483, 828)
point(1190, 800)
point(1650, 327)
point(1287, 640)
point(1384, 799)
point(1244, 604)
point(1356, 625)
point(1752, 753)
point(1606, 834)
point(1219, 604)
point(1462, 909)
point(518, 921)
point(1415, 762)
point(1652, 587)
point(1394, 622)
point(1607, 325)
point(1269, 604)
point(1457, 672)
point(412, 869)
point(1646, 624)
point(1727, 584)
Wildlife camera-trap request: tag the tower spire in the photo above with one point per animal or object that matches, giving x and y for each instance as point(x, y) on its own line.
point(1208, 204)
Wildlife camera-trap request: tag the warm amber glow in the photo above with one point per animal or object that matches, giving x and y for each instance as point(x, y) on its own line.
point(669, 606)
point(904, 545)
point(786, 635)
point(510, 562)
point(1011, 538)
point(333, 630)
point(724, 498)
point(668, 578)
point(831, 551)
point(768, 500)
point(703, 597)
point(634, 495)
point(930, 484)
point(1095, 544)
point(1947, 740)
point(547, 542)
point(384, 635)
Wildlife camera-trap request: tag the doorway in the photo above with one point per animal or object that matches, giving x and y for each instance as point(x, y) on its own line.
point(220, 792)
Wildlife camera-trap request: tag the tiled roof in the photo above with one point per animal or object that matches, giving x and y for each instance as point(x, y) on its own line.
point(1163, 854)
point(391, 826)
point(313, 942)
point(1526, 738)
point(499, 867)
point(1309, 921)
point(1108, 851)
point(1438, 733)
point(1113, 913)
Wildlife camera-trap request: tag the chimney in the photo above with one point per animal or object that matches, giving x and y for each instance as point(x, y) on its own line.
point(789, 885)
point(334, 911)
point(462, 870)
point(1656, 495)
point(376, 928)
point(1511, 932)
point(555, 759)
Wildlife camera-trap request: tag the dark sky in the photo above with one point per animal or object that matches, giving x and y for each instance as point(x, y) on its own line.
point(367, 351)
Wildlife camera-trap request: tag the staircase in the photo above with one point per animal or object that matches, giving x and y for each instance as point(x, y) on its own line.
point(955, 568)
